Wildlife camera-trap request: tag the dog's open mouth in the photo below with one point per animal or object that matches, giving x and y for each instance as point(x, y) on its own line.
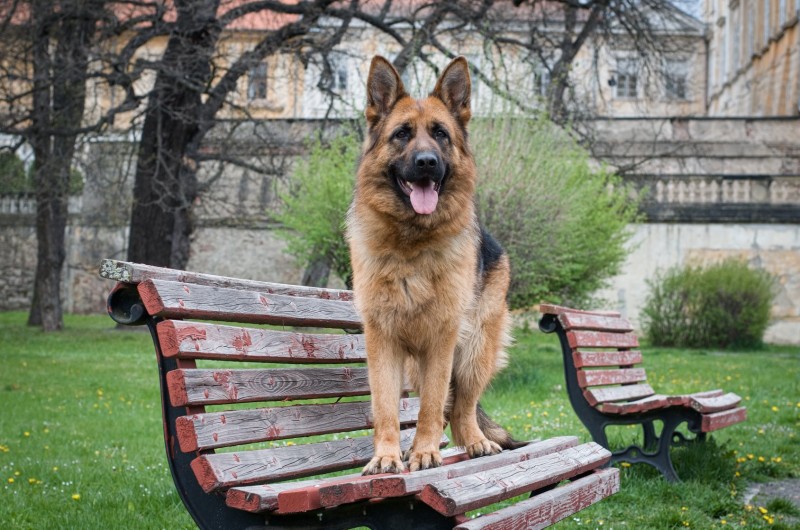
point(424, 194)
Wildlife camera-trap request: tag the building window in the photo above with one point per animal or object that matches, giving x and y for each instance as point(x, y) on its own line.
point(257, 82)
point(627, 78)
point(338, 74)
point(541, 80)
point(676, 74)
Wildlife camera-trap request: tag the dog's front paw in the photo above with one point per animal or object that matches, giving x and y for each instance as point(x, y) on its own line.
point(483, 448)
point(384, 464)
point(423, 459)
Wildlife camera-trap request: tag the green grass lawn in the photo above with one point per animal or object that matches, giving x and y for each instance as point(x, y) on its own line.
point(81, 442)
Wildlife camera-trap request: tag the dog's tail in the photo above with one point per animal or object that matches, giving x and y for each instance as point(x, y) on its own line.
point(495, 432)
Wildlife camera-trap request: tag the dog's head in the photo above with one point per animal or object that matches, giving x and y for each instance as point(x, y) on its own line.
point(416, 162)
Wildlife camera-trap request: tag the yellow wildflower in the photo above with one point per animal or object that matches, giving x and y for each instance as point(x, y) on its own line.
point(76, 496)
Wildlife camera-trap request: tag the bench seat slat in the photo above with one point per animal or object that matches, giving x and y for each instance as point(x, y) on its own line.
point(217, 386)
point(656, 401)
point(549, 507)
point(597, 359)
point(235, 427)
point(588, 378)
point(128, 272)
point(458, 495)
point(264, 497)
point(590, 321)
point(199, 340)
point(241, 468)
point(684, 399)
point(706, 405)
point(408, 483)
point(601, 339)
point(182, 300)
point(718, 420)
point(617, 393)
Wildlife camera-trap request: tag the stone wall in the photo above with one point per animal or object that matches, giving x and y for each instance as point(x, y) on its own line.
point(656, 247)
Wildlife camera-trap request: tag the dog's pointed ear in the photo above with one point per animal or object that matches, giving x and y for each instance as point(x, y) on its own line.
point(454, 88)
point(384, 89)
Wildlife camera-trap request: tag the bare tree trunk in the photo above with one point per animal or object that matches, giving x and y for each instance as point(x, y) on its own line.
point(165, 185)
point(59, 98)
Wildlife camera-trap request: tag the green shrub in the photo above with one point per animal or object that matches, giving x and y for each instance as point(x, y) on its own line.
point(563, 224)
point(12, 173)
point(724, 305)
point(316, 203)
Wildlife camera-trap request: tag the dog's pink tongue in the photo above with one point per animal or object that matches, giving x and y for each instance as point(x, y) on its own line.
point(424, 197)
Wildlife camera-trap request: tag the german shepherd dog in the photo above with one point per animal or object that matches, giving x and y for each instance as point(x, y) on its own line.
point(429, 283)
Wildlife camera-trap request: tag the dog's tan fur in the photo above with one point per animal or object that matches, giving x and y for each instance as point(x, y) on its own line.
point(429, 309)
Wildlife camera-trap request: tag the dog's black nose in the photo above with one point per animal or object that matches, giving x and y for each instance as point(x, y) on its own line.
point(426, 160)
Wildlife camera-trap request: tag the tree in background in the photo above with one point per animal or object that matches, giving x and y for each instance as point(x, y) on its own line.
point(46, 51)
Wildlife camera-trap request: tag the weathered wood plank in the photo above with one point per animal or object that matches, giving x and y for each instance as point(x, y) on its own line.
point(397, 485)
point(718, 420)
point(235, 427)
point(610, 377)
point(183, 300)
point(128, 272)
point(548, 508)
point(552, 309)
point(209, 386)
point(459, 495)
point(200, 340)
point(617, 393)
point(601, 339)
point(242, 468)
point(588, 321)
point(264, 497)
point(631, 407)
point(706, 405)
point(684, 399)
point(584, 359)
point(309, 497)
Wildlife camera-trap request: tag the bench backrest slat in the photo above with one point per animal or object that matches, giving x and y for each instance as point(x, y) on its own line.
point(584, 358)
point(123, 271)
point(189, 387)
point(182, 300)
point(212, 430)
point(198, 340)
point(592, 321)
point(588, 378)
point(601, 339)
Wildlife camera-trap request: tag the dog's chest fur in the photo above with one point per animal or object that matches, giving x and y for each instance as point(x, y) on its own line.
point(419, 291)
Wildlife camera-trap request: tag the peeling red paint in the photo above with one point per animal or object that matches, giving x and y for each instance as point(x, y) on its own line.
point(235, 458)
point(308, 345)
point(263, 300)
point(186, 288)
point(205, 393)
point(181, 303)
point(233, 392)
point(222, 419)
point(242, 342)
point(273, 431)
point(215, 436)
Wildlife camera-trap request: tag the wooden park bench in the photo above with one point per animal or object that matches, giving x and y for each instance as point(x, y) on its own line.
point(606, 388)
point(237, 466)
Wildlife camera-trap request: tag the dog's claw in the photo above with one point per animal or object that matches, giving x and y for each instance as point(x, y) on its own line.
point(483, 447)
point(424, 460)
point(384, 464)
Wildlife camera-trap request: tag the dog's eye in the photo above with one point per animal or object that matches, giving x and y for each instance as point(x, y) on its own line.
point(440, 133)
point(401, 134)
